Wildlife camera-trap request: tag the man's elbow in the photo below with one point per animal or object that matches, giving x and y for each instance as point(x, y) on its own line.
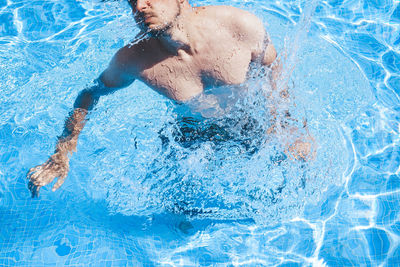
point(86, 99)
point(115, 79)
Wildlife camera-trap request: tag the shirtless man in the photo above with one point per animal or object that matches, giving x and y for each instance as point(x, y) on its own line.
point(188, 49)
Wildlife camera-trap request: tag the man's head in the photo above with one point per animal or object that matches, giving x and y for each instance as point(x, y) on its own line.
point(155, 16)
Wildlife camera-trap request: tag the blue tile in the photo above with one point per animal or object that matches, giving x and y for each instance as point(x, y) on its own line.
point(371, 69)
point(365, 45)
point(343, 246)
point(334, 26)
point(378, 6)
point(397, 41)
point(325, 207)
point(374, 3)
point(387, 209)
point(391, 61)
point(63, 250)
point(388, 96)
point(379, 244)
point(7, 27)
point(396, 228)
point(290, 264)
point(394, 259)
point(335, 3)
point(365, 180)
point(396, 15)
point(35, 225)
point(345, 13)
point(394, 83)
point(386, 161)
point(393, 183)
point(298, 238)
point(284, 242)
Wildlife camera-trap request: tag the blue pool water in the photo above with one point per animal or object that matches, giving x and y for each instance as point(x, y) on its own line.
point(123, 202)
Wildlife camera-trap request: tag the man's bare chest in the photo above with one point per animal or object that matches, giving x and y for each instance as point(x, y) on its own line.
point(185, 75)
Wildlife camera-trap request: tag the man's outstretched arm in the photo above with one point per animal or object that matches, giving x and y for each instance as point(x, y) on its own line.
point(57, 165)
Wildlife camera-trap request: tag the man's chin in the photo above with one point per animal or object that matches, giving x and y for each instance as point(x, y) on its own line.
point(153, 30)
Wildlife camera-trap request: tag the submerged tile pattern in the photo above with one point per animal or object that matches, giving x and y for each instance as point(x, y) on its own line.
point(51, 49)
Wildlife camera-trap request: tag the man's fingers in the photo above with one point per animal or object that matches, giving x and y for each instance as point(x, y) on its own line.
point(43, 177)
point(32, 171)
point(37, 191)
point(30, 186)
point(44, 174)
point(34, 189)
point(59, 182)
point(38, 177)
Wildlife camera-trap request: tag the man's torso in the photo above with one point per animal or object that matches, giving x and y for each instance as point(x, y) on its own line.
point(219, 57)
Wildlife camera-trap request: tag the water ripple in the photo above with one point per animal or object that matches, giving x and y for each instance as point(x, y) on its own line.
point(340, 210)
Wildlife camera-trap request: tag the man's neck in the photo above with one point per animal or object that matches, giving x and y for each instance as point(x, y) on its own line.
point(177, 37)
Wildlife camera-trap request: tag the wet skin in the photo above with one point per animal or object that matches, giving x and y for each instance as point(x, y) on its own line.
point(186, 51)
point(200, 48)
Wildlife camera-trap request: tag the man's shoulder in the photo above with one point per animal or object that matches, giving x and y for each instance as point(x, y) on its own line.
point(136, 49)
point(221, 10)
point(246, 27)
point(240, 21)
point(127, 63)
point(134, 54)
point(231, 13)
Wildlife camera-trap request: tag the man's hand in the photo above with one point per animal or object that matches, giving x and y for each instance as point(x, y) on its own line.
point(56, 166)
point(302, 149)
